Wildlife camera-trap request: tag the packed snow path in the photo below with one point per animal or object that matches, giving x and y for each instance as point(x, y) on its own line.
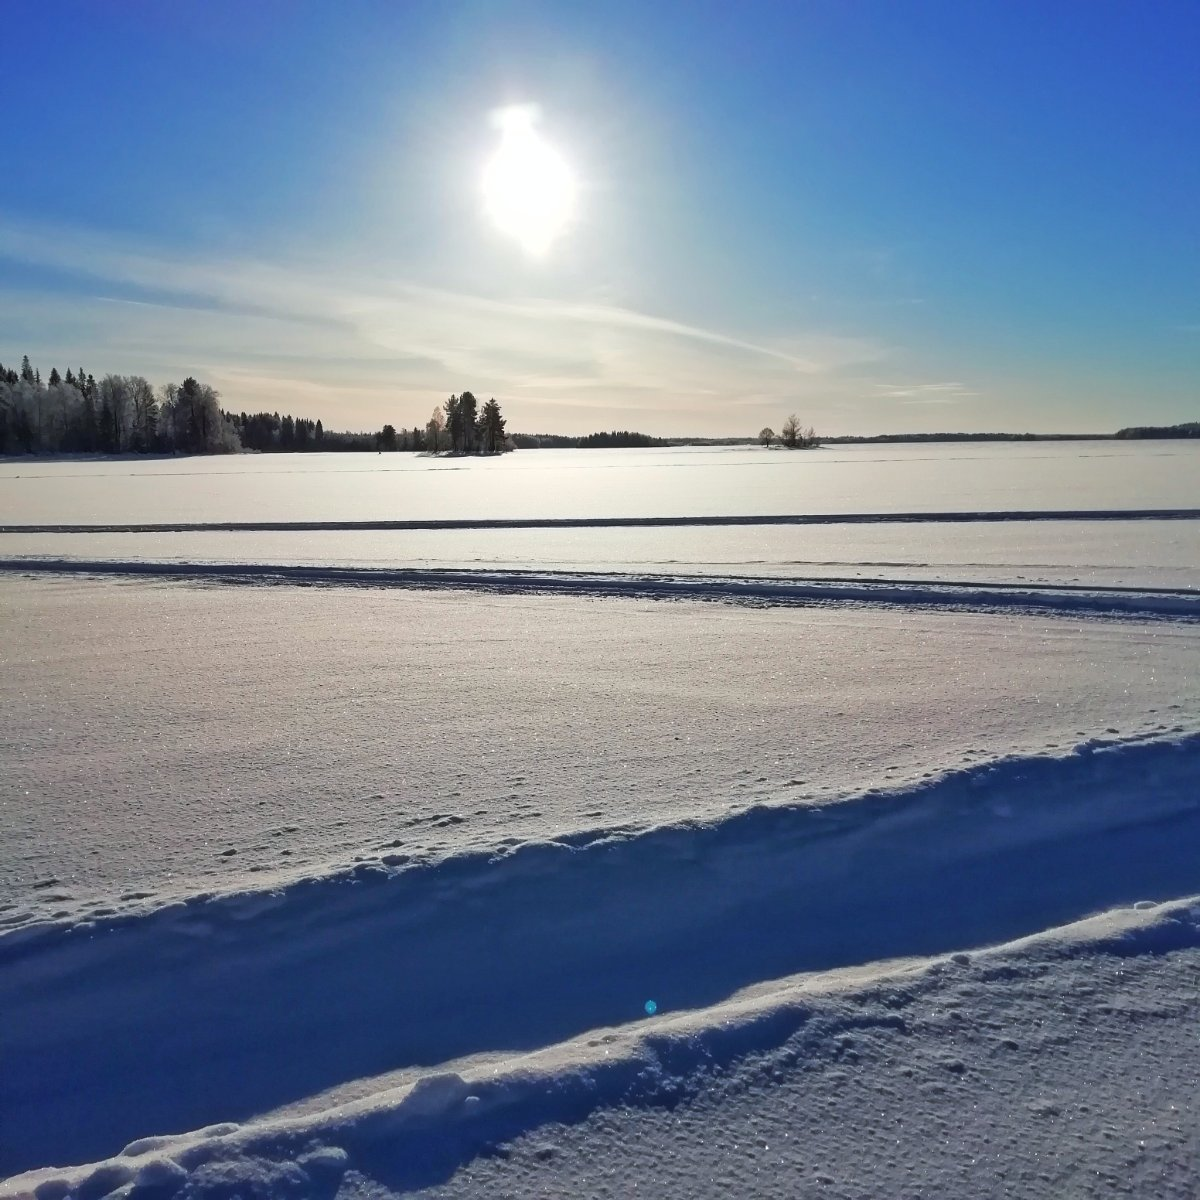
point(1177, 603)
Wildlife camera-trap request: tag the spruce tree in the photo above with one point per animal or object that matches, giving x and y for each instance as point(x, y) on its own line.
point(493, 427)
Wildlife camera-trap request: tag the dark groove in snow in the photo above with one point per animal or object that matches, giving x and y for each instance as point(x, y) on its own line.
point(1177, 603)
point(218, 1009)
point(1084, 514)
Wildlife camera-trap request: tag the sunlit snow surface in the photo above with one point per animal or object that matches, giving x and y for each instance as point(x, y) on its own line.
point(700, 481)
point(387, 867)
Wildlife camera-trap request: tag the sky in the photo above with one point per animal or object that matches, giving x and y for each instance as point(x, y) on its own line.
point(882, 216)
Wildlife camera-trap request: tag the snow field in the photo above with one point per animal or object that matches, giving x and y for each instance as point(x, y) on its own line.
point(679, 855)
point(146, 761)
point(588, 484)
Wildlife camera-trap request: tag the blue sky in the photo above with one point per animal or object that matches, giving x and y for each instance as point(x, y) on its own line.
point(882, 216)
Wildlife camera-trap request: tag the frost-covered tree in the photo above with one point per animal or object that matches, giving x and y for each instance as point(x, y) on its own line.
point(144, 416)
point(63, 406)
point(191, 420)
point(435, 431)
point(114, 412)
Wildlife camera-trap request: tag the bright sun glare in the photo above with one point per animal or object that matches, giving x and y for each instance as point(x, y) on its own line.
point(528, 189)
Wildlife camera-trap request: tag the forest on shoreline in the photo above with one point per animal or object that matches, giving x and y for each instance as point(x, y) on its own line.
point(73, 413)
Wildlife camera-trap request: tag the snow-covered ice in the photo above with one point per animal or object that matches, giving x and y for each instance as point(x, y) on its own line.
point(708, 480)
point(772, 860)
point(1097, 553)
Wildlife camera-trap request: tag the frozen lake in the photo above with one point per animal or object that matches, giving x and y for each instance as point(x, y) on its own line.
point(453, 816)
point(687, 481)
point(690, 483)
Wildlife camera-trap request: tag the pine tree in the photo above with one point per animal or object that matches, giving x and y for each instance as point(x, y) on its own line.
point(55, 377)
point(454, 423)
point(469, 407)
point(492, 424)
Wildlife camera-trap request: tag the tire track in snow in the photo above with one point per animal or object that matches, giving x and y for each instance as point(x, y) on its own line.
point(895, 518)
point(1074, 599)
point(221, 1008)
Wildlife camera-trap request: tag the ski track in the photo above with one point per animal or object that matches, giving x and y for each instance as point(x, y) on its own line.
point(882, 518)
point(221, 1008)
point(1072, 599)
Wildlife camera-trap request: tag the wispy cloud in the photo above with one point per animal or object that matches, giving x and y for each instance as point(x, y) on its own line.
point(948, 392)
point(264, 331)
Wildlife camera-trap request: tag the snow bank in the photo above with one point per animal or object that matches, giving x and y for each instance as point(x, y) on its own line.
point(418, 1134)
point(224, 1008)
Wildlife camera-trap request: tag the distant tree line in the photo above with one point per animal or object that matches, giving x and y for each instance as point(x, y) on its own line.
point(615, 439)
point(793, 435)
point(75, 414)
point(1189, 429)
point(268, 432)
point(858, 439)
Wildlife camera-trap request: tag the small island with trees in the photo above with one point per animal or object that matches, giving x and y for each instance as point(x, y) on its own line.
point(792, 436)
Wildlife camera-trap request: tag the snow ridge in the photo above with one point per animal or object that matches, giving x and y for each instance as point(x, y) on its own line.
point(1174, 603)
point(411, 1135)
point(224, 1008)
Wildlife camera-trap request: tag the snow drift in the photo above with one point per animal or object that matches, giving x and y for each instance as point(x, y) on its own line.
point(222, 1008)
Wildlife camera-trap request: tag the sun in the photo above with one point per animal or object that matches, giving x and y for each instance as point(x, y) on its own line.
point(529, 190)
